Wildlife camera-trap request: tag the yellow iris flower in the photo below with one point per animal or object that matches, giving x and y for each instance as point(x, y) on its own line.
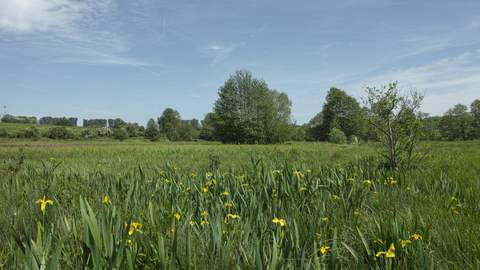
point(279, 221)
point(44, 203)
point(323, 249)
point(389, 253)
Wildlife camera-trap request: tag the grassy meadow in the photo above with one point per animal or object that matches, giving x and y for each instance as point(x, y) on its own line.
point(142, 205)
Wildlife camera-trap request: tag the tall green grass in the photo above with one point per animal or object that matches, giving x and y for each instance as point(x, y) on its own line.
point(115, 206)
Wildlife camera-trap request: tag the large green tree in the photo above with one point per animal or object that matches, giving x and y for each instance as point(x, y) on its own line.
point(456, 123)
point(341, 107)
point(475, 113)
point(207, 131)
point(247, 111)
point(170, 124)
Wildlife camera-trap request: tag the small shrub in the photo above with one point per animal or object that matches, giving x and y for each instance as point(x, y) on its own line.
point(3, 133)
point(104, 132)
point(32, 133)
point(131, 130)
point(60, 132)
point(120, 134)
point(337, 136)
point(87, 133)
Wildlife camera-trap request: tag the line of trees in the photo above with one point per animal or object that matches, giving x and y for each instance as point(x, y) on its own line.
point(7, 118)
point(49, 120)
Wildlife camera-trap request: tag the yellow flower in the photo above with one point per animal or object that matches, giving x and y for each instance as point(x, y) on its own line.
point(393, 182)
point(303, 188)
point(408, 188)
point(177, 216)
point(136, 227)
point(244, 185)
point(350, 179)
point(44, 203)
point(357, 213)
point(389, 253)
point(323, 249)
point(279, 221)
point(205, 189)
point(325, 219)
point(404, 242)
point(192, 175)
point(52, 158)
point(378, 240)
point(367, 181)
point(208, 174)
point(192, 223)
point(204, 213)
point(228, 204)
point(335, 197)
point(99, 165)
point(166, 181)
point(416, 236)
point(232, 216)
point(203, 222)
point(454, 199)
point(308, 171)
point(106, 200)
point(224, 193)
point(187, 189)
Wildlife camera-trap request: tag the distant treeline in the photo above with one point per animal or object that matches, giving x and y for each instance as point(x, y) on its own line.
point(49, 120)
point(7, 118)
point(103, 122)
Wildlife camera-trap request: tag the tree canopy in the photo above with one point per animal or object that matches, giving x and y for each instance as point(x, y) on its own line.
point(247, 111)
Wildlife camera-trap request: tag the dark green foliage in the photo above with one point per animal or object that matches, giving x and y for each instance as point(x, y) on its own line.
point(207, 131)
point(131, 130)
point(475, 113)
point(60, 132)
point(298, 134)
point(33, 133)
point(170, 124)
point(94, 122)
point(7, 118)
point(63, 122)
point(87, 133)
point(188, 132)
point(338, 105)
point(116, 123)
point(456, 124)
point(337, 136)
point(247, 111)
point(152, 131)
point(120, 134)
point(48, 120)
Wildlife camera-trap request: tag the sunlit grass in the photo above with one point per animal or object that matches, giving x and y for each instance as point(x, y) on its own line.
point(211, 206)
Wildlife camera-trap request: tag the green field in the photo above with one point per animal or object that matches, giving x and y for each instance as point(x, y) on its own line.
point(213, 206)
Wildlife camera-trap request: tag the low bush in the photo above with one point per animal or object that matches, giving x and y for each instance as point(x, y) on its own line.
point(60, 132)
point(104, 132)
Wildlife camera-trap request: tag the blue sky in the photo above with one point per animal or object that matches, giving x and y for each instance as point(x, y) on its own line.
point(133, 59)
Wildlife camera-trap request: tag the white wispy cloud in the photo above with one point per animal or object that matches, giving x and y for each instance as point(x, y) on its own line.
point(48, 15)
point(221, 52)
point(447, 81)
